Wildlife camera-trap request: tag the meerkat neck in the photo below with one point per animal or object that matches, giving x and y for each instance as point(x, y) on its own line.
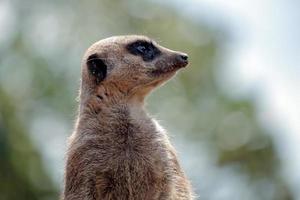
point(107, 98)
point(106, 113)
point(110, 94)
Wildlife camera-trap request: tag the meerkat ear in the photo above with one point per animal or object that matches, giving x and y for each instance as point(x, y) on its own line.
point(96, 67)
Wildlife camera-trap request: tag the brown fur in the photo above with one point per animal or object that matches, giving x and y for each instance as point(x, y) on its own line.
point(117, 151)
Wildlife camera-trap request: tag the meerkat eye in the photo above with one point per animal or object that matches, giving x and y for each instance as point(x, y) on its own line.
point(145, 49)
point(141, 48)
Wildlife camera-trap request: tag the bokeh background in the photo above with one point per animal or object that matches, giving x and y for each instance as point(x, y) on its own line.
point(233, 114)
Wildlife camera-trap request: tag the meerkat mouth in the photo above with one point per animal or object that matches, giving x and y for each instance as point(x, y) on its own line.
point(167, 70)
point(170, 67)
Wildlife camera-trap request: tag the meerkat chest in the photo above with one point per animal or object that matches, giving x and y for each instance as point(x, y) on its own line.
point(124, 154)
point(138, 139)
point(134, 156)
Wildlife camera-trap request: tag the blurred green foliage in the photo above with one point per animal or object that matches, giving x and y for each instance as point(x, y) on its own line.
point(21, 171)
point(39, 69)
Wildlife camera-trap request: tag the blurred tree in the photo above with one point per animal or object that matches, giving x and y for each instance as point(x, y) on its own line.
point(21, 171)
point(42, 56)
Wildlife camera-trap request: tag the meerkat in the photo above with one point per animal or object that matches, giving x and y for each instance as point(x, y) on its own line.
point(117, 151)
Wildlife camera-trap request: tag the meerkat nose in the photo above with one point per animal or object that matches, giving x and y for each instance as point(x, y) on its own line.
point(184, 57)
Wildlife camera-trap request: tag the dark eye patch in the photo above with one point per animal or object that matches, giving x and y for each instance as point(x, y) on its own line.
point(145, 49)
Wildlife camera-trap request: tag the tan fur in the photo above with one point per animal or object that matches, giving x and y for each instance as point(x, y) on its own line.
point(117, 151)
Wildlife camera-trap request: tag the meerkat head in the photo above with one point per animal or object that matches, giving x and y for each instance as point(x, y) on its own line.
point(128, 66)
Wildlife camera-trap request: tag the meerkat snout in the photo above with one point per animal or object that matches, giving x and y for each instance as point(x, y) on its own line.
point(179, 60)
point(183, 58)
